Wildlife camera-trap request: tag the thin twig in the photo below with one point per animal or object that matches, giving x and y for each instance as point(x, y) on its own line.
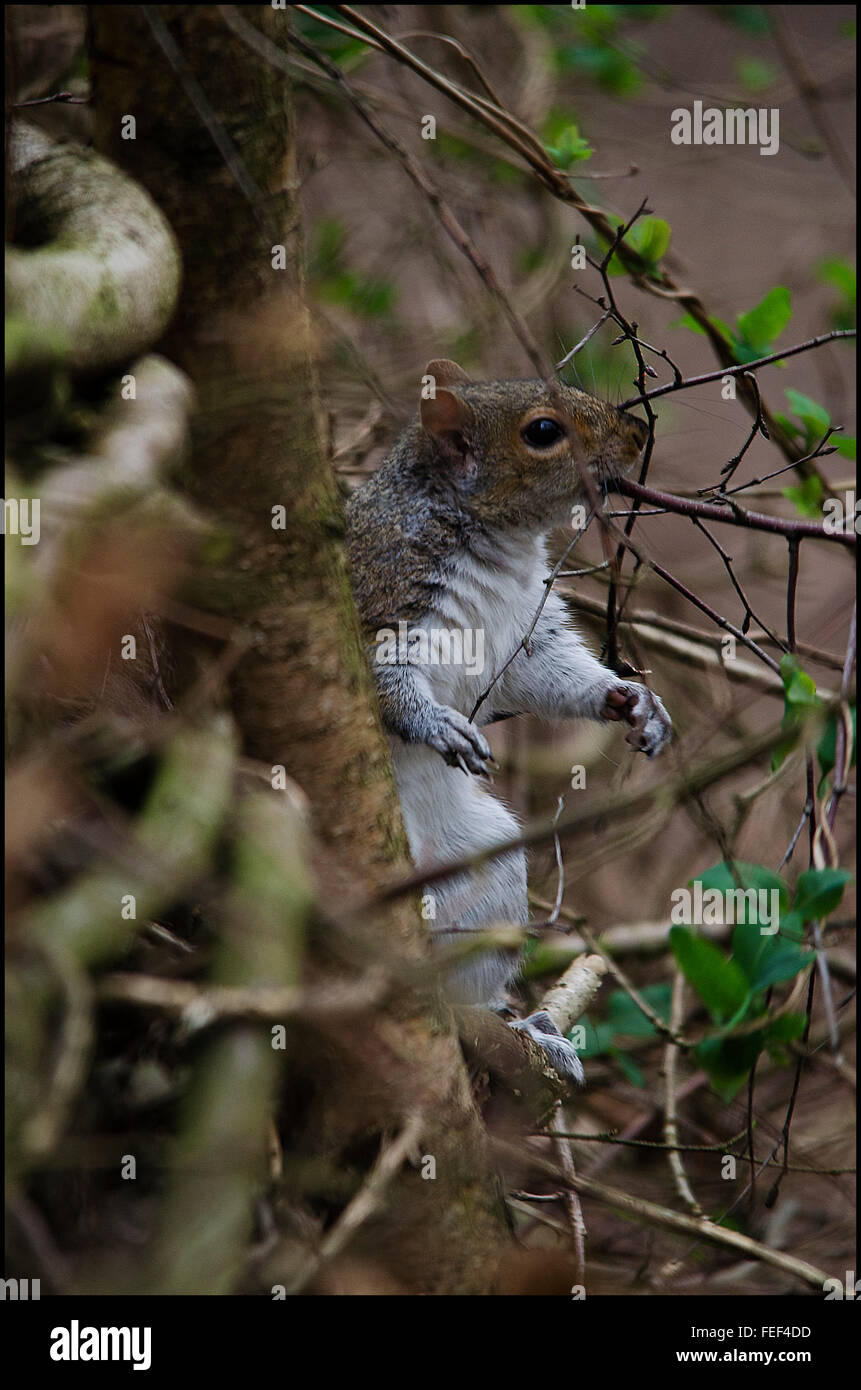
point(671, 1132)
point(738, 369)
point(733, 515)
point(570, 1197)
point(656, 1215)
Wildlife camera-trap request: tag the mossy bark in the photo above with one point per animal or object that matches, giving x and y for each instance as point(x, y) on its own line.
point(95, 279)
point(301, 694)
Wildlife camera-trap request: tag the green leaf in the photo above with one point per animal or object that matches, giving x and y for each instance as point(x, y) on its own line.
point(569, 148)
point(631, 1071)
point(728, 1061)
point(342, 48)
point(787, 1028)
point(719, 982)
point(611, 69)
point(687, 321)
point(789, 425)
point(813, 416)
point(727, 876)
point(799, 688)
point(800, 699)
point(783, 962)
point(841, 275)
point(335, 283)
point(807, 496)
point(649, 237)
point(530, 258)
point(751, 18)
point(755, 74)
point(844, 444)
point(598, 1039)
point(625, 1020)
point(818, 892)
point(656, 235)
point(761, 325)
point(750, 949)
point(327, 243)
point(763, 957)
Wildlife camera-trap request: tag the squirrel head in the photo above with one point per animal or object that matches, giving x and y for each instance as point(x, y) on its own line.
point(514, 450)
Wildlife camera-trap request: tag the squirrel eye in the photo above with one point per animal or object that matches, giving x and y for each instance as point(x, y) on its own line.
point(542, 433)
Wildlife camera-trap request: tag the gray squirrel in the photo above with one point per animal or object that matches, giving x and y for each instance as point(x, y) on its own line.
point(447, 550)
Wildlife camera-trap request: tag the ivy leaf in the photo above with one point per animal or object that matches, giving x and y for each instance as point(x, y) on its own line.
point(625, 1019)
point(763, 957)
point(818, 892)
point(628, 1020)
point(787, 1028)
point(598, 1039)
point(629, 1067)
point(727, 876)
point(728, 1061)
point(719, 982)
point(779, 961)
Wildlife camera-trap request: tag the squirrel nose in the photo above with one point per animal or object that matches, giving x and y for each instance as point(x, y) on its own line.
point(637, 428)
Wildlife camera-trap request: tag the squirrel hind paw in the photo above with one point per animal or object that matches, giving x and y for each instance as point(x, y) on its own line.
point(560, 1053)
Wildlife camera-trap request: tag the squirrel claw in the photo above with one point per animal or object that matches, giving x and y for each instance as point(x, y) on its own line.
point(460, 742)
point(561, 1054)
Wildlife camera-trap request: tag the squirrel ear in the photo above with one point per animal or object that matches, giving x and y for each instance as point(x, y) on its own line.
point(445, 372)
point(445, 419)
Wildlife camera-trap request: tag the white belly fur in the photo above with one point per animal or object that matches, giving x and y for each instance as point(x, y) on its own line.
point(448, 815)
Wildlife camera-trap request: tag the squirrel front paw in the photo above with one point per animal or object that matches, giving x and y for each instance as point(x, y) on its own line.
point(560, 1052)
point(460, 742)
point(651, 726)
